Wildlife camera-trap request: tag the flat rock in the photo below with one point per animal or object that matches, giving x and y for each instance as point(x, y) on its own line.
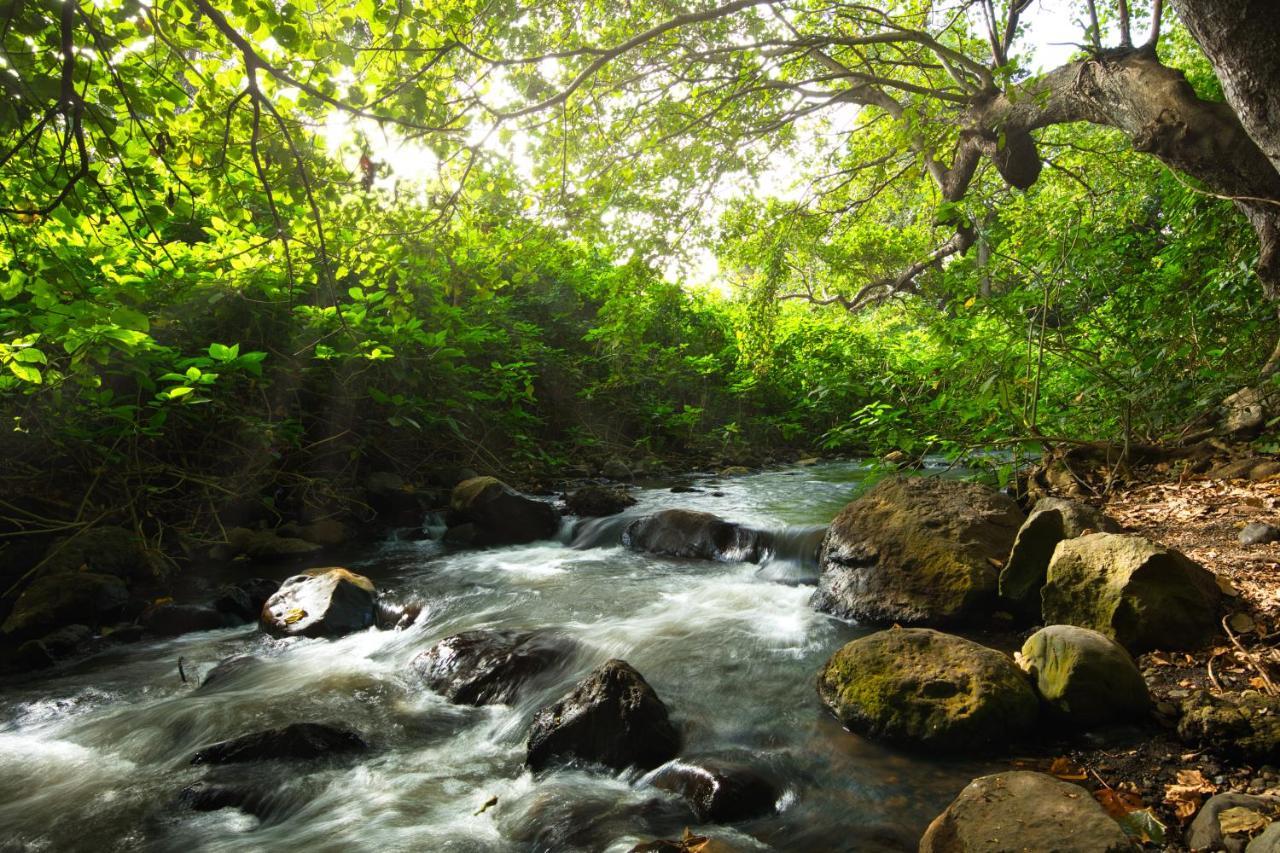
point(491, 667)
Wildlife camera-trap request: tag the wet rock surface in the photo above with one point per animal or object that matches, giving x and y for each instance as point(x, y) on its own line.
point(320, 603)
point(917, 551)
point(923, 689)
point(597, 501)
point(720, 790)
point(693, 535)
point(489, 667)
point(613, 717)
point(1024, 811)
point(295, 742)
point(498, 514)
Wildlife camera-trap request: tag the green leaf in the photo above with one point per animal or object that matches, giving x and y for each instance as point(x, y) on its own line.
point(26, 372)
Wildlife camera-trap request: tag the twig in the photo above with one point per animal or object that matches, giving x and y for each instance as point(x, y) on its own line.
point(1251, 658)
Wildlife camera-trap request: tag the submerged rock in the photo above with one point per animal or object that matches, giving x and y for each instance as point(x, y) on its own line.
point(1245, 726)
point(613, 717)
point(1085, 678)
point(55, 600)
point(499, 514)
point(295, 742)
point(491, 667)
point(1024, 811)
point(597, 501)
point(923, 689)
point(320, 603)
point(720, 791)
point(1141, 594)
point(1050, 521)
point(694, 535)
point(170, 620)
point(917, 550)
point(242, 601)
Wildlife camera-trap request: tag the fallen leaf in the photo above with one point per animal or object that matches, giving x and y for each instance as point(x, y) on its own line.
point(1067, 770)
point(1239, 819)
point(1143, 826)
point(1241, 623)
point(1118, 803)
point(1186, 796)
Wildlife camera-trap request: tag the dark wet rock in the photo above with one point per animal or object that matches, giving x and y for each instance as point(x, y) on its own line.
point(325, 532)
point(491, 667)
point(295, 742)
point(320, 603)
point(1245, 725)
point(212, 797)
point(720, 791)
point(1141, 594)
point(1259, 533)
point(1050, 521)
point(54, 647)
point(597, 501)
point(262, 545)
point(170, 620)
point(1024, 811)
point(500, 514)
point(232, 670)
point(684, 489)
point(923, 689)
point(616, 469)
point(105, 551)
point(690, 843)
point(54, 600)
point(242, 601)
point(917, 550)
point(1084, 678)
point(462, 535)
point(398, 615)
point(612, 717)
point(695, 535)
point(564, 817)
point(1205, 832)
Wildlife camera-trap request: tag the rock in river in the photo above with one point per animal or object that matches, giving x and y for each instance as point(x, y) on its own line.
point(1085, 678)
point(917, 550)
point(1024, 811)
point(1050, 521)
point(613, 717)
point(694, 535)
point(501, 515)
point(320, 603)
point(491, 667)
point(1141, 594)
point(55, 600)
point(927, 690)
point(597, 501)
point(295, 742)
point(719, 791)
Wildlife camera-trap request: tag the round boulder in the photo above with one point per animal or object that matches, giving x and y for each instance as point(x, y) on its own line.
point(1083, 677)
point(500, 515)
point(491, 667)
point(320, 603)
point(1050, 521)
point(918, 551)
point(613, 717)
point(923, 689)
point(719, 791)
point(1141, 594)
point(55, 600)
point(693, 535)
point(1020, 810)
point(597, 501)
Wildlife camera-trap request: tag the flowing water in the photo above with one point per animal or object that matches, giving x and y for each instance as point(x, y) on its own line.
point(94, 757)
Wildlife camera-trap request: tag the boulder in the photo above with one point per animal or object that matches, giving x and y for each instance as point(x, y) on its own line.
point(719, 791)
point(325, 532)
point(1142, 595)
point(1205, 832)
point(616, 469)
point(54, 600)
point(320, 603)
point(923, 689)
point(694, 535)
point(105, 551)
point(53, 647)
point(295, 742)
point(263, 545)
point(242, 601)
point(396, 501)
point(1050, 521)
point(1024, 811)
point(500, 514)
point(1084, 678)
point(917, 551)
point(170, 620)
point(1244, 726)
point(1259, 533)
point(491, 667)
point(597, 501)
point(612, 717)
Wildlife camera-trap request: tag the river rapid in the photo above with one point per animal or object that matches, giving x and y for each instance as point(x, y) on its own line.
point(94, 757)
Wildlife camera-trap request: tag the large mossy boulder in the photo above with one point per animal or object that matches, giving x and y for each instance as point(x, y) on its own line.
point(693, 535)
point(491, 667)
point(917, 551)
point(1141, 594)
point(1085, 678)
point(54, 600)
point(1243, 726)
point(923, 689)
point(321, 603)
point(1024, 811)
point(612, 717)
point(105, 551)
point(1050, 521)
point(499, 515)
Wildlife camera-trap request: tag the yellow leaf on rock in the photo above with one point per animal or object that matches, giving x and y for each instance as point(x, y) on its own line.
point(1238, 820)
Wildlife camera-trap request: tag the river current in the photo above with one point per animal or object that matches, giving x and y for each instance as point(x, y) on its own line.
point(94, 757)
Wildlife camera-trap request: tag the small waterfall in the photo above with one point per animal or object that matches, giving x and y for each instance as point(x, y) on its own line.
point(791, 555)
